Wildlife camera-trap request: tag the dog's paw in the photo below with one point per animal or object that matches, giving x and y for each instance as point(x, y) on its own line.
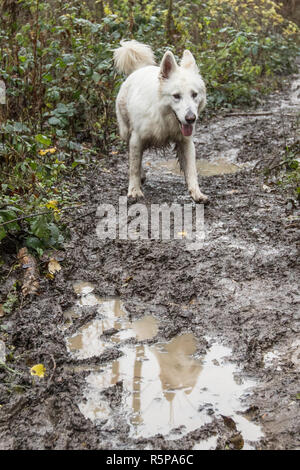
point(198, 196)
point(135, 193)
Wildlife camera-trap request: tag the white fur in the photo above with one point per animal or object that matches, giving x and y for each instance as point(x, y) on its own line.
point(132, 55)
point(156, 106)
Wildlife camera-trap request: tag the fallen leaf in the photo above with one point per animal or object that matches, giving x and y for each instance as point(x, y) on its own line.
point(2, 313)
point(230, 423)
point(52, 204)
point(53, 266)
point(38, 370)
point(182, 234)
point(29, 264)
point(266, 188)
point(237, 441)
point(232, 191)
point(50, 276)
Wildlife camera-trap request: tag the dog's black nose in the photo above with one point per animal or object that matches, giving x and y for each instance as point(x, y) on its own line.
point(190, 117)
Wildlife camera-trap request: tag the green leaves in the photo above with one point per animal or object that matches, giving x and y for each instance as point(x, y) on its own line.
point(10, 213)
point(43, 139)
point(44, 234)
point(2, 232)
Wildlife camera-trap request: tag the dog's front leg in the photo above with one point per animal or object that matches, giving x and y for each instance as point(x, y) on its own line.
point(135, 163)
point(187, 158)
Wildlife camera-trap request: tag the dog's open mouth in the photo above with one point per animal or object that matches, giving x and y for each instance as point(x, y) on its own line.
point(187, 129)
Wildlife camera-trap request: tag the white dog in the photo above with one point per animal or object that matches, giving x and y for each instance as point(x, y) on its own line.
point(156, 106)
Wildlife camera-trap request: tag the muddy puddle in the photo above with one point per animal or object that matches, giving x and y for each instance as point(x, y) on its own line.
point(166, 387)
point(220, 166)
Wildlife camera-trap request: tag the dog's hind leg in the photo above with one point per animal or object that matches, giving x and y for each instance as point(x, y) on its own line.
point(135, 166)
point(187, 158)
point(123, 122)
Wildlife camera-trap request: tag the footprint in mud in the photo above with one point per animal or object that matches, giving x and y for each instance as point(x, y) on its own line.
point(165, 389)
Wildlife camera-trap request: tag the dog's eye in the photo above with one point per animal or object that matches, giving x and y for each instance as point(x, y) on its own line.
point(194, 94)
point(177, 96)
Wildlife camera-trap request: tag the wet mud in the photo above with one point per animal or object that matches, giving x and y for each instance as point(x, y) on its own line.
point(150, 345)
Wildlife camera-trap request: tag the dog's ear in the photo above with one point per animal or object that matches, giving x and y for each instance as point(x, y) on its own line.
point(168, 65)
point(188, 61)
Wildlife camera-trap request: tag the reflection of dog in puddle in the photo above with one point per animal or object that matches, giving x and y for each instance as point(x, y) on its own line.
point(178, 371)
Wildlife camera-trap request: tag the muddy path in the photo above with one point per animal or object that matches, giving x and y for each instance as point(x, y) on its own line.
point(150, 345)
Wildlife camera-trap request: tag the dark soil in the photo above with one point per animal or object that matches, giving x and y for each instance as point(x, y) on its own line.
point(241, 288)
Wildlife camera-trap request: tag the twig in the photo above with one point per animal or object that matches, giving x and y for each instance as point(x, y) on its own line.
point(294, 224)
point(267, 113)
point(84, 215)
point(37, 214)
point(54, 368)
point(276, 166)
point(9, 369)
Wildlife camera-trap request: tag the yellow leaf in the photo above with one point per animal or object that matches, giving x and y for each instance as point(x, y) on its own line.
point(52, 204)
point(44, 152)
point(53, 266)
point(182, 234)
point(38, 369)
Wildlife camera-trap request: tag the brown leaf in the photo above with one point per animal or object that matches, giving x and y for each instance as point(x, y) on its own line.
point(53, 266)
point(230, 423)
point(29, 264)
point(237, 441)
point(2, 313)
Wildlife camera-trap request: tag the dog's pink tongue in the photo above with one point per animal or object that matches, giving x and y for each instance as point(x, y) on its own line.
point(187, 129)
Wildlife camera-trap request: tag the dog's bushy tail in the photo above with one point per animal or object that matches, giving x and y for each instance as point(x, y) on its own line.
point(132, 55)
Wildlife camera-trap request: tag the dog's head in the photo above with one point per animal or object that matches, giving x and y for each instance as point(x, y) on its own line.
point(182, 89)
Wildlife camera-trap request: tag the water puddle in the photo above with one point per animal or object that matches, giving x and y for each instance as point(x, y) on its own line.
point(111, 326)
point(207, 444)
point(220, 166)
point(166, 389)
